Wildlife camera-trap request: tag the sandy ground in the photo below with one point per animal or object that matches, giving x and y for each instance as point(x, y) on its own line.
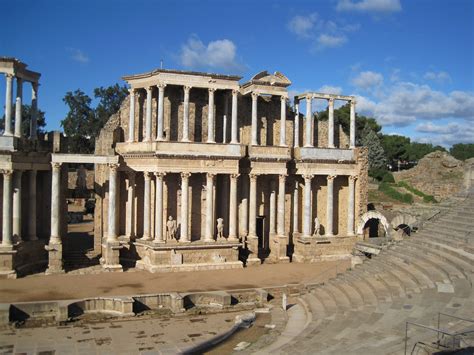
point(66, 286)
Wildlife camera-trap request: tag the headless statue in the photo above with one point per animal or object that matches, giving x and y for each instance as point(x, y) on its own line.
point(220, 228)
point(317, 227)
point(171, 228)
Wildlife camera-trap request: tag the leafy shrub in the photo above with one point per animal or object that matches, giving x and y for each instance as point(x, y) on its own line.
point(379, 174)
point(388, 177)
point(426, 198)
point(388, 190)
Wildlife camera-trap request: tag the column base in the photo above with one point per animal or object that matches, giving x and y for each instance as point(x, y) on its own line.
point(7, 262)
point(232, 239)
point(55, 258)
point(252, 247)
point(111, 259)
point(279, 249)
point(158, 241)
point(147, 238)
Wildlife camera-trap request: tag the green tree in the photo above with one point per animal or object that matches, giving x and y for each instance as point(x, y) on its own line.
point(462, 151)
point(395, 147)
point(26, 120)
point(110, 99)
point(416, 151)
point(376, 154)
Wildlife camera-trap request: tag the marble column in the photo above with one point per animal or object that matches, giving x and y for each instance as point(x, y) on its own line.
point(307, 206)
point(273, 212)
point(32, 205)
point(224, 118)
point(253, 206)
point(254, 140)
point(281, 205)
point(161, 111)
point(17, 204)
point(184, 237)
point(330, 206)
point(309, 123)
point(7, 208)
point(159, 238)
point(233, 207)
point(148, 122)
point(34, 112)
point(147, 206)
point(244, 218)
point(331, 123)
point(296, 229)
point(8, 105)
point(55, 203)
point(210, 118)
point(350, 210)
point(112, 211)
point(18, 104)
point(209, 235)
point(131, 119)
point(283, 121)
point(352, 125)
point(233, 134)
point(130, 212)
point(296, 125)
point(185, 136)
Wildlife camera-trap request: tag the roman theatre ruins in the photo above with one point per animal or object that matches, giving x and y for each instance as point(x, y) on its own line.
point(195, 171)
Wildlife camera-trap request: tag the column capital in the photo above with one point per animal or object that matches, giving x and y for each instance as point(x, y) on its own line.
point(234, 176)
point(148, 89)
point(7, 172)
point(331, 177)
point(308, 98)
point(283, 98)
point(235, 91)
point(282, 177)
point(161, 86)
point(159, 174)
point(308, 176)
point(353, 177)
point(147, 175)
point(185, 175)
point(131, 91)
point(211, 90)
point(210, 175)
point(253, 176)
point(255, 95)
point(187, 88)
point(331, 100)
point(55, 165)
point(353, 102)
point(113, 166)
point(9, 76)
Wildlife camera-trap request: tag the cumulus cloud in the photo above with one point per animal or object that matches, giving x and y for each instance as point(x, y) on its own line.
point(368, 80)
point(446, 134)
point(219, 54)
point(78, 55)
point(439, 77)
point(371, 6)
point(328, 89)
point(319, 32)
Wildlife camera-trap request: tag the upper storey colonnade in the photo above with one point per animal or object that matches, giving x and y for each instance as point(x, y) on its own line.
point(13, 69)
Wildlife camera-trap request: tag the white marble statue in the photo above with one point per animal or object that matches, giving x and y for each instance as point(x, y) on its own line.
point(317, 227)
point(171, 228)
point(220, 228)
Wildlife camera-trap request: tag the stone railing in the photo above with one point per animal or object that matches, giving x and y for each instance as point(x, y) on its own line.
point(269, 153)
point(302, 153)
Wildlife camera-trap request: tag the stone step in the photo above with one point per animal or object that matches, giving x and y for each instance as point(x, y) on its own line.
point(407, 281)
point(382, 292)
point(384, 275)
point(330, 306)
point(456, 243)
point(351, 292)
point(423, 279)
point(367, 293)
point(450, 231)
point(342, 300)
point(430, 259)
point(464, 222)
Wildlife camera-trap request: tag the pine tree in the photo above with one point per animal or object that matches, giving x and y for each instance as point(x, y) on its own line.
point(371, 140)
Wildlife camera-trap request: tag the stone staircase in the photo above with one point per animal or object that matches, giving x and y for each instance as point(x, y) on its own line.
point(365, 310)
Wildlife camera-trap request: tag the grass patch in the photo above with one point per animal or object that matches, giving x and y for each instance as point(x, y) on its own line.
point(426, 198)
point(388, 190)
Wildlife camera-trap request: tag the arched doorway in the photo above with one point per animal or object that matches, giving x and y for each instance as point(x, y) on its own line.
point(373, 222)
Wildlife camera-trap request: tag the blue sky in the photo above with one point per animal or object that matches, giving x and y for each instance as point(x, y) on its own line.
point(409, 62)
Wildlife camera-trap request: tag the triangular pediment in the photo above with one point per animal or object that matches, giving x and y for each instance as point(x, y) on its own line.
point(275, 79)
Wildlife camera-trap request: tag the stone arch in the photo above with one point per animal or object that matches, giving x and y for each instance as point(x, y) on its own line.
point(373, 215)
point(404, 219)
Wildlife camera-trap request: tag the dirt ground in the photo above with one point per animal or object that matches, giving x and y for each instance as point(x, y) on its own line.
point(66, 286)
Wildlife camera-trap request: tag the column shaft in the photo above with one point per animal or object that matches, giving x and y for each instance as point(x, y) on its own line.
point(331, 123)
point(330, 206)
point(283, 121)
point(32, 206)
point(254, 140)
point(185, 136)
point(296, 209)
point(209, 236)
point(148, 115)
point(307, 206)
point(129, 226)
point(233, 138)
point(350, 211)
point(7, 208)
point(161, 111)
point(55, 203)
point(309, 123)
point(352, 125)
point(112, 212)
point(159, 208)
point(281, 205)
point(296, 127)
point(147, 206)
point(233, 207)
point(210, 118)
point(131, 120)
point(224, 118)
point(17, 204)
point(8, 105)
point(18, 103)
point(273, 212)
point(253, 207)
point(244, 218)
point(34, 112)
point(184, 237)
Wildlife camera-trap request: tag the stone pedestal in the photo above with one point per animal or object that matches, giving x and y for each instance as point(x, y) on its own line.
point(111, 256)
point(7, 262)
point(314, 249)
point(252, 247)
point(278, 249)
point(55, 258)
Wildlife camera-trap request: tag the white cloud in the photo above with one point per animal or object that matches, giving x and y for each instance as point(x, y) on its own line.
point(439, 77)
point(372, 6)
point(328, 89)
point(220, 54)
point(78, 55)
point(321, 33)
point(447, 134)
point(368, 80)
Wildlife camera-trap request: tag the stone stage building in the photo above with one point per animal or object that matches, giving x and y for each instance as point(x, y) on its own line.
point(180, 186)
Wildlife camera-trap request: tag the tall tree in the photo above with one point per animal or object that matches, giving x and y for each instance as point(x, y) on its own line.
point(371, 140)
point(416, 150)
point(462, 151)
point(110, 99)
point(395, 147)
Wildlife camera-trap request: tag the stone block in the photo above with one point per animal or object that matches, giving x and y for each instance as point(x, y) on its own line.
point(55, 258)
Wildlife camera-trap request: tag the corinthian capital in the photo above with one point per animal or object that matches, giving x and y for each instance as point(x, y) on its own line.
point(331, 177)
